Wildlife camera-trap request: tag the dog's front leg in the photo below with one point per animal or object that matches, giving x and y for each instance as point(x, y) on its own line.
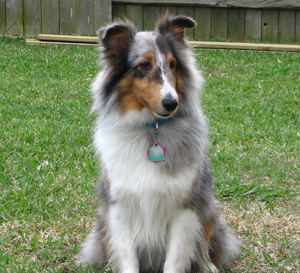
point(182, 238)
point(186, 244)
point(123, 258)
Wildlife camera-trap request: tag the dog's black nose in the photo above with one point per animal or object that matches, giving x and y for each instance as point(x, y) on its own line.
point(170, 104)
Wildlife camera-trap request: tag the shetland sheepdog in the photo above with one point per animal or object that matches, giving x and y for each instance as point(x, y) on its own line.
point(158, 212)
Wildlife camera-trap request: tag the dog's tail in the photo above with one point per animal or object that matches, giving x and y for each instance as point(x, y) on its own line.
point(225, 246)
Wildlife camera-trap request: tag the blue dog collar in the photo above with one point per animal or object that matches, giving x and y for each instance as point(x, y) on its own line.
point(160, 121)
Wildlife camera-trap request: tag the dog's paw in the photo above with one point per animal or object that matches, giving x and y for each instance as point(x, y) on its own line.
point(211, 268)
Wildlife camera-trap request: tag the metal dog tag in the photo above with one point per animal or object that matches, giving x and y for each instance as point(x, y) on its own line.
point(156, 152)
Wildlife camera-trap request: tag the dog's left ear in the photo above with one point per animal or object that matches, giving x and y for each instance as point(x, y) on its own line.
point(175, 26)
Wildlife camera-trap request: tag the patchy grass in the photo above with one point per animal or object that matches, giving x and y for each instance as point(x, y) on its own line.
point(252, 102)
point(48, 170)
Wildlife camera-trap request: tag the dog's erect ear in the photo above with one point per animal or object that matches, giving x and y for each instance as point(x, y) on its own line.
point(175, 25)
point(116, 37)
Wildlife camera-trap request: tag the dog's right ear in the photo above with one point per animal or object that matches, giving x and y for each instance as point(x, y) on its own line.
point(116, 37)
point(175, 25)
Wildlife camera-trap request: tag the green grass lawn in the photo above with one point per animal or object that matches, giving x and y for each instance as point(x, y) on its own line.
point(48, 169)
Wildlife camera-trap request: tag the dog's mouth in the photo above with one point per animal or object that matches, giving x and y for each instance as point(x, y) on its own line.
point(164, 115)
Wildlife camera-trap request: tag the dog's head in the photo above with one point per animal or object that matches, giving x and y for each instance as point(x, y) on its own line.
point(146, 69)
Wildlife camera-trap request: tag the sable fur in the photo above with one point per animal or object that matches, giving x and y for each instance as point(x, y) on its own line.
point(153, 217)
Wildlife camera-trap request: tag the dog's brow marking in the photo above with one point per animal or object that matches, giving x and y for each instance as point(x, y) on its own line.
point(167, 88)
point(159, 59)
point(160, 63)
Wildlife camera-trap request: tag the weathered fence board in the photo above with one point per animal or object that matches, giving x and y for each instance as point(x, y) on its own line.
point(297, 27)
point(135, 14)
point(2, 17)
point(270, 26)
point(286, 4)
point(252, 25)
point(203, 19)
point(89, 40)
point(14, 17)
point(32, 17)
point(188, 11)
point(286, 27)
point(219, 23)
point(236, 24)
point(85, 17)
point(150, 16)
point(297, 31)
point(270, 21)
point(118, 11)
point(245, 46)
point(168, 9)
point(103, 12)
point(50, 16)
point(68, 38)
point(68, 22)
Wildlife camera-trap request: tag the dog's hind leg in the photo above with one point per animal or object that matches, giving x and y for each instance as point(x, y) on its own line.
point(224, 245)
point(94, 247)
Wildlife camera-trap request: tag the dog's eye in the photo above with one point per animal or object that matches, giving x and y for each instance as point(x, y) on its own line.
point(145, 65)
point(172, 64)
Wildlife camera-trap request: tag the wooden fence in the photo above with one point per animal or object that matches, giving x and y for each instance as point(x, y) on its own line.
point(269, 21)
point(31, 17)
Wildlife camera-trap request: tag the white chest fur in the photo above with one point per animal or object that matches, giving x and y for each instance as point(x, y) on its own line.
point(124, 154)
point(149, 197)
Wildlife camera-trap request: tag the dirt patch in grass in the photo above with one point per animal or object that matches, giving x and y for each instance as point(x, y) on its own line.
point(271, 236)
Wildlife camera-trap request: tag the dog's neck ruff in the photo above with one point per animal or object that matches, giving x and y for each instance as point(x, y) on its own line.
point(158, 122)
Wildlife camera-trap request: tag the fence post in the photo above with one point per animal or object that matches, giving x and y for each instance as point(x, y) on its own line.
point(50, 16)
point(2, 17)
point(103, 13)
point(219, 23)
point(32, 17)
point(14, 17)
point(85, 17)
point(297, 34)
point(68, 17)
point(253, 25)
point(286, 27)
point(270, 26)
